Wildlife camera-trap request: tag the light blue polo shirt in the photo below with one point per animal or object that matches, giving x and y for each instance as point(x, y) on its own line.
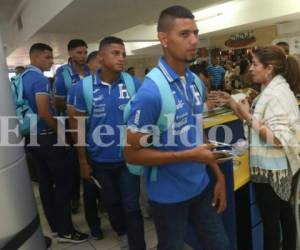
point(217, 74)
point(178, 181)
point(59, 83)
point(106, 119)
point(35, 83)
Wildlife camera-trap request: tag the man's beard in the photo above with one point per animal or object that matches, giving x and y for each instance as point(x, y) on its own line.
point(187, 60)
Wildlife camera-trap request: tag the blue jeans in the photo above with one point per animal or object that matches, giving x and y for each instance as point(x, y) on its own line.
point(171, 222)
point(120, 194)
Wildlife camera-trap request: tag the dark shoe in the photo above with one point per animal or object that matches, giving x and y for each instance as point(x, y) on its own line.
point(48, 241)
point(97, 234)
point(75, 206)
point(75, 237)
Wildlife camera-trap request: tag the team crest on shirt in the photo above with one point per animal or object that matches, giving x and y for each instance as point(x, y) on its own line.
point(123, 93)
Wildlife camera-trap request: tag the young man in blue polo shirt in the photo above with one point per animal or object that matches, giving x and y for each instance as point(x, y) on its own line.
point(216, 73)
point(91, 193)
point(76, 67)
point(180, 192)
point(52, 170)
point(103, 157)
point(75, 70)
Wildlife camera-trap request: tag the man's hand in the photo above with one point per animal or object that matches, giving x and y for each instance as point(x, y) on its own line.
point(212, 100)
point(219, 195)
point(224, 97)
point(85, 170)
point(203, 154)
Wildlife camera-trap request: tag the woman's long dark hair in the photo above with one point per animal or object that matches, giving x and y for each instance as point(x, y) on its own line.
point(288, 67)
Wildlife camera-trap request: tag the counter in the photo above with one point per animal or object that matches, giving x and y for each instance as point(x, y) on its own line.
point(241, 218)
point(240, 164)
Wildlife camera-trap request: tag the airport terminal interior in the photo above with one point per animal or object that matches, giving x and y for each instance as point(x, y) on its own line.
point(230, 39)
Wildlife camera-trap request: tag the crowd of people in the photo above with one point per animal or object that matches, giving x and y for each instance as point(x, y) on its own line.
point(231, 74)
point(175, 174)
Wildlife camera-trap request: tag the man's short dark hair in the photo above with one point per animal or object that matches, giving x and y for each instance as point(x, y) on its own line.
point(170, 14)
point(75, 43)
point(282, 43)
point(39, 47)
point(110, 40)
point(92, 56)
point(20, 68)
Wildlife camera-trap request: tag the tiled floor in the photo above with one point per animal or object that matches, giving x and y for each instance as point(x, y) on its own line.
point(110, 241)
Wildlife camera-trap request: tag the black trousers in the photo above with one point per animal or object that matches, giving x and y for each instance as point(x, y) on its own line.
point(120, 195)
point(73, 160)
point(91, 198)
point(55, 183)
point(276, 213)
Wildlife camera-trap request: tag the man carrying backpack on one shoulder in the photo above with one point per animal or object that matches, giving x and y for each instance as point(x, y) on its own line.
point(103, 97)
point(179, 192)
point(66, 77)
point(52, 170)
point(91, 193)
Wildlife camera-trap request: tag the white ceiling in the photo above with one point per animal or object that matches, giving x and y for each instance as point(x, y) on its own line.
point(7, 8)
point(92, 20)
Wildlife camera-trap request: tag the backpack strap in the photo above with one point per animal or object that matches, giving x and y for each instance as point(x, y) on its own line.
point(168, 105)
point(67, 73)
point(87, 86)
point(130, 86)
point(129, 83)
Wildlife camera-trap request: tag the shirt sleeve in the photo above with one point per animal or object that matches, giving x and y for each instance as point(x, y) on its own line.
point(276, 113)
point(79, 101)
point(145, 108)
point(222, 70)
point(71, 95)
point(59, 86)
point(41, 86)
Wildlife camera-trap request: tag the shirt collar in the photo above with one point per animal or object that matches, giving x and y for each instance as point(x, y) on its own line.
point(73, 73)
point(171, 75)
point(277, 80)
point(35, 67)
point(97, 80)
